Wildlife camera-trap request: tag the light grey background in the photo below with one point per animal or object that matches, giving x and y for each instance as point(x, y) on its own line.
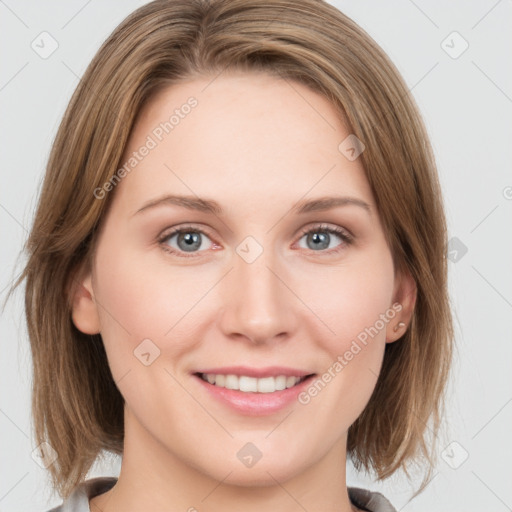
point(467, 105)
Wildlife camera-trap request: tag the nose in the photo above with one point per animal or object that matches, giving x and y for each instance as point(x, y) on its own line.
point(258, 305)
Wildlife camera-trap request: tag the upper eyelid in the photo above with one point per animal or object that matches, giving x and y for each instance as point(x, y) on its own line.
point(166, 233)
point(326, 227)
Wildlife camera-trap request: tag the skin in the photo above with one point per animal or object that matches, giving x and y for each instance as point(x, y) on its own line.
point(257, 146)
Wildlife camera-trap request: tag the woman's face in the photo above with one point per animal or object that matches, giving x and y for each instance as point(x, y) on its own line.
point(282, 262)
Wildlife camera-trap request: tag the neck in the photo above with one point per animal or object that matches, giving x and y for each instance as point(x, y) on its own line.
point(154, 478)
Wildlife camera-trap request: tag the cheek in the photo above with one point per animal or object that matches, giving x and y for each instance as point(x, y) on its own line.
point(145, 300)
point(147, 310)
point(353, 297)
point(357, 306)
point(138, 302)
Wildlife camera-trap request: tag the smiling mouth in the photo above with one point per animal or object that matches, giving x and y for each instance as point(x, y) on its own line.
point(247, 384)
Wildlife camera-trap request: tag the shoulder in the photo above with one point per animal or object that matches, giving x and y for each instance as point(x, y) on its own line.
point(370, 501)
point(78, 500)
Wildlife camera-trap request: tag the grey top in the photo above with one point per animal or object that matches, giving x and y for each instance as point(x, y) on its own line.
point(78, 501)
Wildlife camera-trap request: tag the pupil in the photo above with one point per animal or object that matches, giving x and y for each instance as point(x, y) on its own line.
point(191, 241)
point(321, 240)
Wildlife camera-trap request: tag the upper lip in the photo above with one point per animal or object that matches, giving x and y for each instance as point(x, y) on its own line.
point(268, 371)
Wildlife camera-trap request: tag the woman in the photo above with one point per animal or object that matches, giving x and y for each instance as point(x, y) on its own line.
point(237, 273)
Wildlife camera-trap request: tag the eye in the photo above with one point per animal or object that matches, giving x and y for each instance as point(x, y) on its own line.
point(183, 240)
point(187, 241)
point(319, 238)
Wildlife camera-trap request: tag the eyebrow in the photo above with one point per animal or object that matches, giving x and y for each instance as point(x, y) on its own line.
point(210, 206)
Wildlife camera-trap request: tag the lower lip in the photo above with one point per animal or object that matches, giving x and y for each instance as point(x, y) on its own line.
point(255, 404)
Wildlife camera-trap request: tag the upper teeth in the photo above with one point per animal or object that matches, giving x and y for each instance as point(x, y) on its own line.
point(251, 384)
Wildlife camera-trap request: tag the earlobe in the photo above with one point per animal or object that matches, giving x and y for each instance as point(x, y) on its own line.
point(84, 311)
point(405, 295)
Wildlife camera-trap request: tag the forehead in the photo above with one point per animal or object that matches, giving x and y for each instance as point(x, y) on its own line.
point(244, 137)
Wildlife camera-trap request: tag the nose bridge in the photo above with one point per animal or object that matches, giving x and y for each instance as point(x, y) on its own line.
point(257, 302)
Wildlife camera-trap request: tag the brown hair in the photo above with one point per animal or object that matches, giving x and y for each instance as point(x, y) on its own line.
point(76, 405)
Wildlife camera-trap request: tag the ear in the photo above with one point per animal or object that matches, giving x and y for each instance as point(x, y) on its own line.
point(84, 310)
point(405, 294)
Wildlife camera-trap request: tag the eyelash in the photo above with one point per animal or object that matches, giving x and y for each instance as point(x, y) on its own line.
point(342, 233)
